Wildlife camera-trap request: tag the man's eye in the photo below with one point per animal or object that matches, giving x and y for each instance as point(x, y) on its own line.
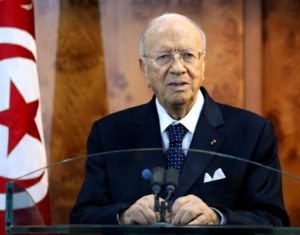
point(163, 58)
point(187, 56)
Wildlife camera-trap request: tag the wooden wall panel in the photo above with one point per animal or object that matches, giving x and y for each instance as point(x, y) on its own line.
point(79, 96)
point(223, 23)
point(281, 89)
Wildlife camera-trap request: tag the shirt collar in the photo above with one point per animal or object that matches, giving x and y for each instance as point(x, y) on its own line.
point(189, 121)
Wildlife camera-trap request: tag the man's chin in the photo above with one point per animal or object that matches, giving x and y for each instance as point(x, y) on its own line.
point(182, 96)
point(179, 101)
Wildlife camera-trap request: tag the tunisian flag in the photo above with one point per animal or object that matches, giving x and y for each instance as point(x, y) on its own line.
point(22, 147)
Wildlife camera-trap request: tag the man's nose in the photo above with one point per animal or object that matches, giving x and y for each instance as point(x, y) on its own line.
point(177, 66)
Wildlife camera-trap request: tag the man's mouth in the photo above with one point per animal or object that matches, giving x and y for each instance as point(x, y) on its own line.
point(178, 84)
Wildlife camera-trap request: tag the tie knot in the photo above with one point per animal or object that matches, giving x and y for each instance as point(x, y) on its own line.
point(176, 133)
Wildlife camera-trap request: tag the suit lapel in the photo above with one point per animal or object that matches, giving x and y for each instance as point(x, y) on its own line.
point(206, 137)
point(146, 134)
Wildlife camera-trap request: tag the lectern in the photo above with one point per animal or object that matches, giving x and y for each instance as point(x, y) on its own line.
point(23, 215)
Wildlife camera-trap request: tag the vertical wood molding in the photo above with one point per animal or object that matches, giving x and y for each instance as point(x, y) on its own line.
point(253, 55)
point(46, 26)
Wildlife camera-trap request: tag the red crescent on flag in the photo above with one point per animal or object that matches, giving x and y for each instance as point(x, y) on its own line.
point(10, 51)
point(25, 183)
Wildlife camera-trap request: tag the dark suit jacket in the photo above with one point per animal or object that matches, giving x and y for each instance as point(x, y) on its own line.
point(248, 195)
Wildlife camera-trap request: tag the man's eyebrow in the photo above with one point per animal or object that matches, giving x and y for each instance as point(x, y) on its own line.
point(161, 51)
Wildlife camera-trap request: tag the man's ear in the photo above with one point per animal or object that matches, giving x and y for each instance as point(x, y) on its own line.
point(203, 66)
point(204, 63)
point(143, 66)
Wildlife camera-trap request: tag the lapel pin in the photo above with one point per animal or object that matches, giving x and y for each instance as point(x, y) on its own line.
point(213, 142)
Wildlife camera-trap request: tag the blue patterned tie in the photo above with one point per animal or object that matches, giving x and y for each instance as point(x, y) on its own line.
point(175, 154)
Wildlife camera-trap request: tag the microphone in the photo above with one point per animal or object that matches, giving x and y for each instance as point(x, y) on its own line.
point(157, 179)
point(171, 184)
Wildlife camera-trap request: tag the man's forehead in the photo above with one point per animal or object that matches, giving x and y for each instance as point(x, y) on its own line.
point(172, 30)
point(171, 24)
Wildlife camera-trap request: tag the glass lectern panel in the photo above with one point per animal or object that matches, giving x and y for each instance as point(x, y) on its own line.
point(219, 179)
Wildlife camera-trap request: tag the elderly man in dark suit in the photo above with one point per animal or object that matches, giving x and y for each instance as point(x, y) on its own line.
point(172, 57)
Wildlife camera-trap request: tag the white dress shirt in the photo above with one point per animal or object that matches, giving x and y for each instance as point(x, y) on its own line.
point(189, 122)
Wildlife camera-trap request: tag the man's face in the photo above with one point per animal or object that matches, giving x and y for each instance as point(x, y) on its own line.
point(175, 83)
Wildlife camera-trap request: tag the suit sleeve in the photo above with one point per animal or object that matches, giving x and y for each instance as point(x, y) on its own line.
point(93, 204)
point(263, 200)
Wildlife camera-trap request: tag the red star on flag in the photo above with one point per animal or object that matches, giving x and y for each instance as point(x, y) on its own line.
point(19, 118)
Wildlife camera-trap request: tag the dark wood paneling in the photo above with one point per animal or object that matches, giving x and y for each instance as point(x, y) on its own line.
point(281, 98)
point(79, 96)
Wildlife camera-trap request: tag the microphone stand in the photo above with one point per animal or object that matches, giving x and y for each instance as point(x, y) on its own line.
point(163, 206)
point(169, 179)
point(169, 202)
point(156, 203)
point(163, 212)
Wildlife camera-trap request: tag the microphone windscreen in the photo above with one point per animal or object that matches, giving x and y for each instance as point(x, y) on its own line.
point(172, 177)
point(146, 174)
point(158, 176)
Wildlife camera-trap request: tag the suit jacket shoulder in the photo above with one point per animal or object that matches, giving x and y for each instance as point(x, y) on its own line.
point(134, 127)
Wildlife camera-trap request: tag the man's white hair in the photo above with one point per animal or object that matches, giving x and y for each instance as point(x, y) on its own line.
point(169, 15)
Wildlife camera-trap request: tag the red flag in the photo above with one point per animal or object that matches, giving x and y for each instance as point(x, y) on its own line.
point(22, 147)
